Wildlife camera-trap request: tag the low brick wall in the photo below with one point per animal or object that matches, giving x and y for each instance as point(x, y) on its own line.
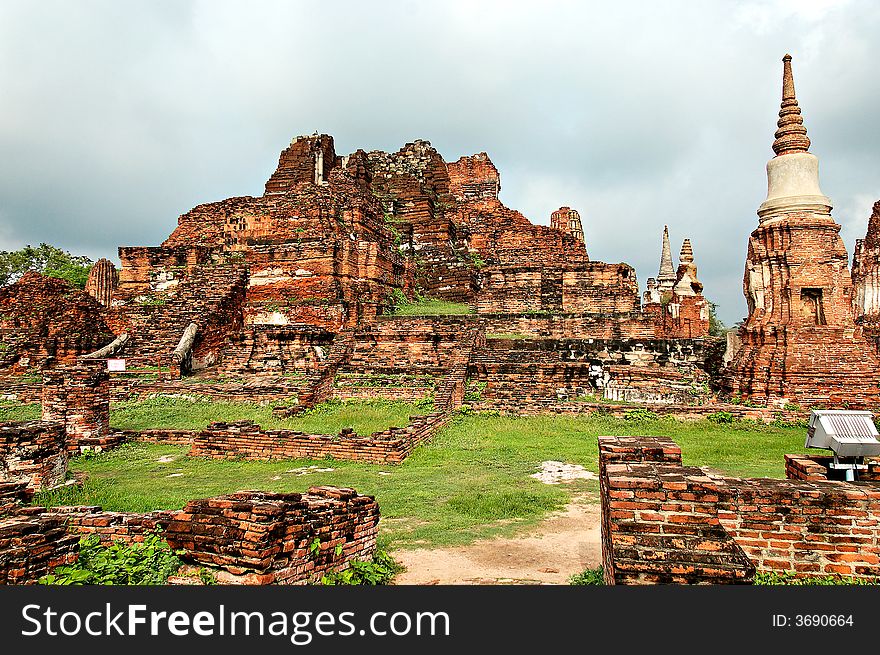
point(265, 538)
point(619, 410)
point(33, 451)
point(158, 435)
point(659, 519)
point(806, 527)
point(127, 527)
point(247, 440)
point(249, 537)
point(32, 543)
point(817, 467)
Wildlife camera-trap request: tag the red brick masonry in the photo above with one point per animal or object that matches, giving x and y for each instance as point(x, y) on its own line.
point(249, 537)
point(664, 522)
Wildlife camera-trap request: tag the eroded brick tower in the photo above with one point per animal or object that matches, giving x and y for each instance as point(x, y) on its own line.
point(799, 342)
point(568, 220)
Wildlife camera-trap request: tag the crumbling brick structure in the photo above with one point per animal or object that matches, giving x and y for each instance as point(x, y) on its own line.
point(45, 320)
point(569, 221)
point(33, 452)
point(665, 522)
point(33, 541)
point(78, 398)
point(249, 537)
point(866, 279)
point(102, 282)
point(264, 538)
point(800, 342)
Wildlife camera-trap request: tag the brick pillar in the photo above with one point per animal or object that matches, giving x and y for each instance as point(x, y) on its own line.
point(78, 396)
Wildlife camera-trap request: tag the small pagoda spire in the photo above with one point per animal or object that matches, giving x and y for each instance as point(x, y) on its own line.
point(687, 252)
point(792, 135)
point(666, 276)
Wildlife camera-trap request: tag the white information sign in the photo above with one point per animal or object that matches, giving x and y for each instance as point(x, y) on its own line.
point(115, 364)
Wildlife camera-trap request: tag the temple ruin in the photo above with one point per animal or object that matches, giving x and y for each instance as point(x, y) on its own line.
point(800, 342)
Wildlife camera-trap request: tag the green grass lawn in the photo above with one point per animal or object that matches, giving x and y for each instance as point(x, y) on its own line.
point(12, 411)
point(472, 481)
point(432, 307)
point(330, 417)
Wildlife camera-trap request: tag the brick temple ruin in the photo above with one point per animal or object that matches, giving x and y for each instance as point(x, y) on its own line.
point(800, 342)
point(288, 298)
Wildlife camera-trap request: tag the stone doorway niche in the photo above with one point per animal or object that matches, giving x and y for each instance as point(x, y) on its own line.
point(812, 309)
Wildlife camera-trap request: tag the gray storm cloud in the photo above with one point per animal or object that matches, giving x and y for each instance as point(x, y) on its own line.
point(116, 117)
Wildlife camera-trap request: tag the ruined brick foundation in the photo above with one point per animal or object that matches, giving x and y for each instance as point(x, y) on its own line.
point(663, 522)
point(249, 537)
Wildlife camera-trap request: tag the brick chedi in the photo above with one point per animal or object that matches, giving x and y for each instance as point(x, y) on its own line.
point(568, 220)
point(102, 282)
point(866, 278)
point(799, 342)
point(675, 297)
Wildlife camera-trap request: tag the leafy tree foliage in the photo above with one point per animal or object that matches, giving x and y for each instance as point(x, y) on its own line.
point(716, 327)
point(47, 260)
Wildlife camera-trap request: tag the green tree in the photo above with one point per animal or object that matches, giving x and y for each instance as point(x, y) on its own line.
point(716, 326)
point(47, 260)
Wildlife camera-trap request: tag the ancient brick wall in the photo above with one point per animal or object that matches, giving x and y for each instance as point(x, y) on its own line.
point(13, 494)
point(109, 527)
point(247, 440)
point(33, 452)
point(818, 468)
point(525, 374)
point(78, 397)
point(805, 527)
point(659, 519)
point(158, 435)
point(265, 538)
point(249, 537)
point(45, 320)
point(33, 541)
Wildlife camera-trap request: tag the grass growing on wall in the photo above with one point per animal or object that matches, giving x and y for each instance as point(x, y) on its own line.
point(365, 417)
point(431, 307)
point(471, 482)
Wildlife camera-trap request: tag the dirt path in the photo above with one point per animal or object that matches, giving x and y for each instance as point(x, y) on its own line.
point(565, 543)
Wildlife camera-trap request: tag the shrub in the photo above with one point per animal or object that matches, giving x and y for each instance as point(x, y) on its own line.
point(588, 577)
point(379, 571)
point(720, 417)
point(641, 414)
point(772, 578)
point(146, 563)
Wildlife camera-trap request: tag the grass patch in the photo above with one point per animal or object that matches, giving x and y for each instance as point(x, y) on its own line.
point(365, 417)
point(471, 482)
point(431, 307)
point(507, 335)
point(12, 411)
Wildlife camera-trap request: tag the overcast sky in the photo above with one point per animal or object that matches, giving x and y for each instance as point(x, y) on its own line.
point(116, 117)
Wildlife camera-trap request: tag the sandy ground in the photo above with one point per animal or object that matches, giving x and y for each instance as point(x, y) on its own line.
point(567, 542)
